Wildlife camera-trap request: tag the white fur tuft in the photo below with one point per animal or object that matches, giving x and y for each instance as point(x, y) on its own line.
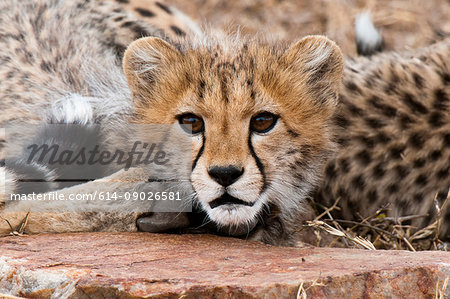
point(7, 183)
point(368, 38)
point(73, 109)
point(2, 184)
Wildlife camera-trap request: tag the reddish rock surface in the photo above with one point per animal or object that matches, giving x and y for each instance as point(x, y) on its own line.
point(133, 265)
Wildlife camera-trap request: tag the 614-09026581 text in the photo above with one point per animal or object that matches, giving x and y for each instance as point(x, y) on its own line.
point(104, 196)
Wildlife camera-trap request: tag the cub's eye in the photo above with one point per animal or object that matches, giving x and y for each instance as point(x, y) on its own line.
point(195, 122)
point(263, 122)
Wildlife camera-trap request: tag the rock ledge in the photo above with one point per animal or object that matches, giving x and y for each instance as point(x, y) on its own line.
point(133, 265)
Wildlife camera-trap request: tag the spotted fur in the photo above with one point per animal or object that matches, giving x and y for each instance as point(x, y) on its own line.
point(60, 62)
point(392, 127)
point(160, 15)
point(227, 82)
point(394, 119)
point(390, 124)
point(58, 50)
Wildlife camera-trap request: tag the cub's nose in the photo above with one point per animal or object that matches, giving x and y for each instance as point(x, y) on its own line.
point(225, 175)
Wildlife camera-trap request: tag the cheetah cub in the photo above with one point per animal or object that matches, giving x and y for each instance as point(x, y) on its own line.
point(271, 125)
point(261, 118)
point(265, 120)
point(260, 114)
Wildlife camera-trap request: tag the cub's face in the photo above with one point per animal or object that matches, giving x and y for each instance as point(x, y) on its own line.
point(258, 116)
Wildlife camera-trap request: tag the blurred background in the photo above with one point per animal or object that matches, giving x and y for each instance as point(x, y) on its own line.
point(404, 24)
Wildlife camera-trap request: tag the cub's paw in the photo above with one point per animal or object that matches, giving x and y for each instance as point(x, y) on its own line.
point(160, 222)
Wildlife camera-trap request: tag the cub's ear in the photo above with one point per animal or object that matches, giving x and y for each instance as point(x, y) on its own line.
point(318, 64)
point(145, 60)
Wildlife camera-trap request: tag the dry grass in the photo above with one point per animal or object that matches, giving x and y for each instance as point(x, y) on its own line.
point(379, 231)
point(440, 289)
point(302, 291)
